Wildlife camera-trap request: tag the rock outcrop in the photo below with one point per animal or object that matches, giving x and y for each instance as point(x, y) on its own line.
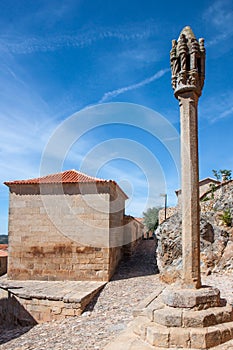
point(216, 236)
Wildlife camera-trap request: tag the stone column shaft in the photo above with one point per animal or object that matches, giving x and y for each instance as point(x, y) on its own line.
point(190, 190)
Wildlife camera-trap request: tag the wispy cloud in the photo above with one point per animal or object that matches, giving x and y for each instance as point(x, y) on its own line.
point(20, 44)
point(218, 38)
point(26, 123)
point(226, 113)
point(222, 107)
point(143, 54)
point(114, 93)
point(219, 15)
point(220, 12)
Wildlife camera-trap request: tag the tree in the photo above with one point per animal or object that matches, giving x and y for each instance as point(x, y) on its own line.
point(216, 174)
point(151, 218)
point(3, 239)
point(224, 173)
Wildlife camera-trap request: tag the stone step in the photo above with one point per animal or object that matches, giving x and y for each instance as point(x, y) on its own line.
point(176, 317)
point(140, 325)
point(135, 337)
point(151, 303)
point(196, 299)
point(160, 336)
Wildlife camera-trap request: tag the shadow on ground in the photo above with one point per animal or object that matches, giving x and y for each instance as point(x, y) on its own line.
point(141, 263)
point(18, 321)
point(15, 319)
point(9, 333)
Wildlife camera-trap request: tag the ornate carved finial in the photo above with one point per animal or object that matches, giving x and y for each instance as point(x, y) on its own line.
point(187, 58)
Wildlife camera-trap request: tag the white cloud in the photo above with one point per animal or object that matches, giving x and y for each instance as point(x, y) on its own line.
point(226, 113)
point(220, 13)
point(21, 44)
point(114, 93)
point(219, 16)
point(26, 123)
point(218, 107)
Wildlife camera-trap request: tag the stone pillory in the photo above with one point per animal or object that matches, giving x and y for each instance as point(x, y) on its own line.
point(66, 226)
point(187, 58)
point(184, 315)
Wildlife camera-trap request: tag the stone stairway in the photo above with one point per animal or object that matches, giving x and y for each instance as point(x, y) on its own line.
point(174, 318)
point(186, 319)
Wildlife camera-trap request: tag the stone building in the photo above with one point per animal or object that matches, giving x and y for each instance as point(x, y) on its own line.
point(67, 226)
point(204, 186)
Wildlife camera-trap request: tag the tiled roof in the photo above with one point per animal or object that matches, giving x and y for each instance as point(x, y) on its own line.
point(139, 219)
point(221, 185)
point(3, 246)
point(3, 253)
point(209, 179)
point(69, 176)
point(203, 181)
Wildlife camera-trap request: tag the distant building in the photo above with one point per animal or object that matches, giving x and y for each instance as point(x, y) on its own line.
point(67, 226)
point(204, 186)
point(146, 233)
point(3, 258)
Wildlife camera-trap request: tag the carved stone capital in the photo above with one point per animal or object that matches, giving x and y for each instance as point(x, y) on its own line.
point(187, 58)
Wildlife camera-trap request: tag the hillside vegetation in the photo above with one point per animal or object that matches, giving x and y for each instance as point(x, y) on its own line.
point(3, 239)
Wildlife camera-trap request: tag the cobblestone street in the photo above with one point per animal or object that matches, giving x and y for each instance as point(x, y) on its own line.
point(108, 313)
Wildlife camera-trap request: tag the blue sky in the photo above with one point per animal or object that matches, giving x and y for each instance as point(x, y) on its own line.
point(108, 62)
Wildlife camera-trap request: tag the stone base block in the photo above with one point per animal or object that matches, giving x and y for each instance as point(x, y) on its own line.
point(177, 338)
point(190, 338)
point(140, 325)
point(158, 336)
point(186, 319)
point(177, 317)
point(207, 318)
point(197, 299)
point(168, 317)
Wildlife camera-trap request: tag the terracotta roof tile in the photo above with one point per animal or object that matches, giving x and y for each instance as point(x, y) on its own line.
point(3, 253)
point(69, 176)
point(3, 246)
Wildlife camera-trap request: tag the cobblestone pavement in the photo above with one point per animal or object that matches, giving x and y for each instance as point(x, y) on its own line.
point(109, 312)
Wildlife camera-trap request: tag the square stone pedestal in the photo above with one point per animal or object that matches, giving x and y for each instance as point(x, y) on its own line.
point(186, 319)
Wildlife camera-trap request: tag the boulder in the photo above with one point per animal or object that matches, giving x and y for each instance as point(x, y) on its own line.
point(216, 242)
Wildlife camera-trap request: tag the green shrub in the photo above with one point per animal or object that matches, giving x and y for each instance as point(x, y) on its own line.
point(226, 217)
point(205, 199)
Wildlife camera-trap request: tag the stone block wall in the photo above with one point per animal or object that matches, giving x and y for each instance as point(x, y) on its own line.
point(169, 212)
point(221, 190)
point(115, 255)
point(116, 218)
point(3, 265)
point(15, 310)
point(62, 236)
point(134, 231)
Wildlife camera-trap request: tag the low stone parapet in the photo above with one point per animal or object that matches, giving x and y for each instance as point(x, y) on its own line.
point(31, 302)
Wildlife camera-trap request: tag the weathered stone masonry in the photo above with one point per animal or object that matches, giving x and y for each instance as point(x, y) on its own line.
point(65, 231)
point(3, 263)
